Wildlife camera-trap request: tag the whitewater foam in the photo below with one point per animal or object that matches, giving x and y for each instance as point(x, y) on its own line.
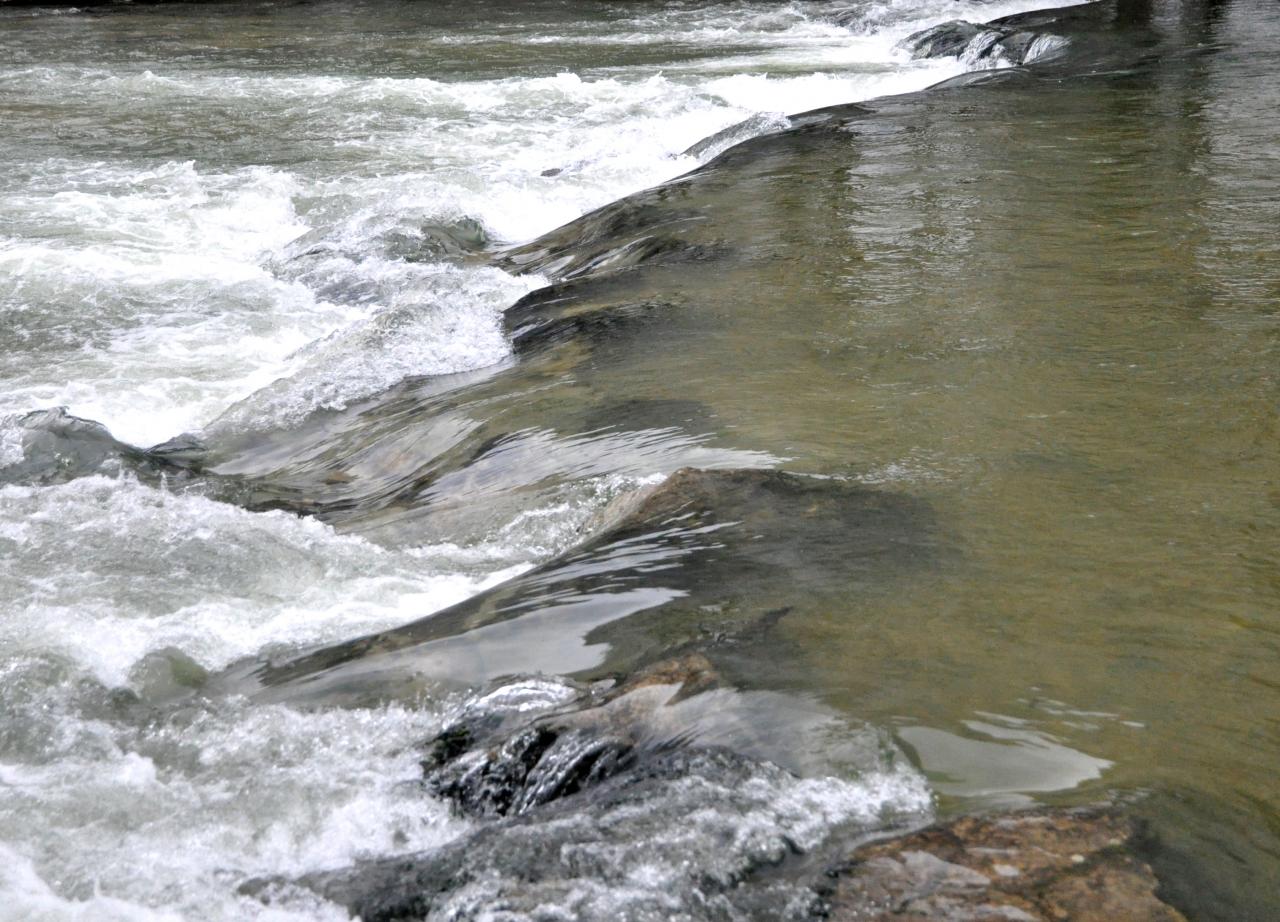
point(202, 799)
point(157, 570)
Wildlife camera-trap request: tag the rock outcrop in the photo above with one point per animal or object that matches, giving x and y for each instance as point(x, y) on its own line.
point(1038, 866)
point(989, 43)
point(57, 447)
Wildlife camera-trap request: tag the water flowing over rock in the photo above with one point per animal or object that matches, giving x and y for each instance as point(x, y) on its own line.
point(56, 447)
point(945, 40)
point(601, 802)
point(642, 228)
point(1001, 45)
point(748, 128)
point(897, 462)
point(707, 558)
point(580, 789)
point(626, 851)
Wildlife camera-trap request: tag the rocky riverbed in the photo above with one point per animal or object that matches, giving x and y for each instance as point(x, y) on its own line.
point(867, 518)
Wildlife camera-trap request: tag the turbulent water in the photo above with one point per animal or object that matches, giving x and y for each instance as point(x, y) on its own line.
point(213, 219)
point(272, 228)
point(245, 176)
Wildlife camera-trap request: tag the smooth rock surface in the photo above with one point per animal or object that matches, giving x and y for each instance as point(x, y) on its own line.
point(704, 561)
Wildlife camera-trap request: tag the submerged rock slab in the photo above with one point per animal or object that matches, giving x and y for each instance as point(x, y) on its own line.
point(702, 560)
point(644, 228)
point(722, 140)
point(1038, 866)
point(943, 40)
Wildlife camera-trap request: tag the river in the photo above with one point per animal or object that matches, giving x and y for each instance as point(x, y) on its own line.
point(1038, 311)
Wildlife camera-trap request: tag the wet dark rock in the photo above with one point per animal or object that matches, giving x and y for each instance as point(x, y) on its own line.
point(751, 127)
point(485, 768)
point(1015, 48)
point(1038, 866)
point(58, 447)
point(539, 765)
point(627, 252)
point(1002, 44)
point(637, 230)
point(944, 40)
point(1075, 20)
point(185, 451)
point(562, 313)
point(852, 16)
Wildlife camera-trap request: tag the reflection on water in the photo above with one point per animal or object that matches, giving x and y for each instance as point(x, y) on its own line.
point(1038, 312)
point(1009, 762)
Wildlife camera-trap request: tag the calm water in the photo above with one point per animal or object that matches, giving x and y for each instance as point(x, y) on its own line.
point(1046, 307)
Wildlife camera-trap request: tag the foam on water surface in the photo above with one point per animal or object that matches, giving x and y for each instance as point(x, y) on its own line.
point(109, 817)
point(155, 570)
point(215, 794)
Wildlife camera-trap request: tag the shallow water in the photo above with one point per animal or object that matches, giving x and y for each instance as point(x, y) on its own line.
point(1045, 308)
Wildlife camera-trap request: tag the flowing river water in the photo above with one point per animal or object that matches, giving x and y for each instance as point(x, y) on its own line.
point(1038, 311)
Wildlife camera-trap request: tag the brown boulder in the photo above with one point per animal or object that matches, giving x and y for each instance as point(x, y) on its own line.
point(1050, 865)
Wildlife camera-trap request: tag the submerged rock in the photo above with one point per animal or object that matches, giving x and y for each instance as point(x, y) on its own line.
point(560, 314)
point(641, 228)
point(1039, 866)
point(166, 674)
point(57, 446)
point(704, 560)
point(433, 242)
point(426, 242)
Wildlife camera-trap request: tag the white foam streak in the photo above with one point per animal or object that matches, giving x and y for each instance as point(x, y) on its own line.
point(157, 570)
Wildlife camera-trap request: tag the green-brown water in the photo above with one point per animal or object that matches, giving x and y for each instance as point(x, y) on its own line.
point(1044, 304)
